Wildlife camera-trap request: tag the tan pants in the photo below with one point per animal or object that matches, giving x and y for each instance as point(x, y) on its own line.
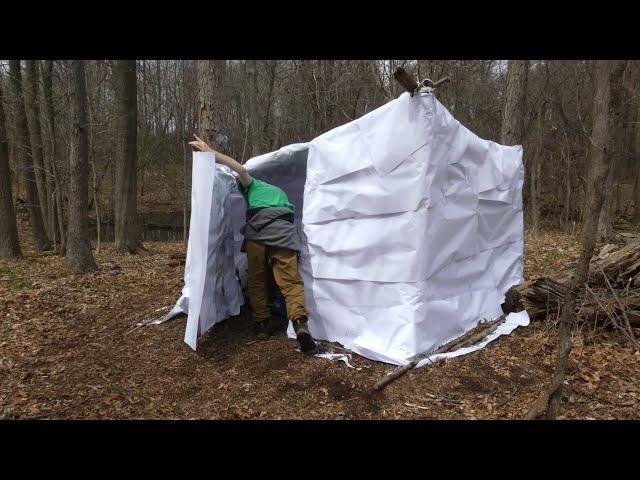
point(285, 272)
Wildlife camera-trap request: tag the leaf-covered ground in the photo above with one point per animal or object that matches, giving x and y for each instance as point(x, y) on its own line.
point(67, 351)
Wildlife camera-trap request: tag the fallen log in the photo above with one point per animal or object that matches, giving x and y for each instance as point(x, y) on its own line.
point(470, 338)
point(614, 275)
point(621, 265)
point(544, 297)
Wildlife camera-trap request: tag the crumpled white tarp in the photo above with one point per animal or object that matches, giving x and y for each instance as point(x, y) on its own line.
point(338, 357)
point(411, 226)
point(211, 292)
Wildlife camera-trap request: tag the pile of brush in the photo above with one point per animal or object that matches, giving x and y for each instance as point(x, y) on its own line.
point(611, 296)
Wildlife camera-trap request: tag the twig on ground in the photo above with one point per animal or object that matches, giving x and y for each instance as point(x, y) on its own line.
point(443, 398)
point(413, 405)
point(470, 338)
point(611, 316)
point(508, 399)
point(345, 401)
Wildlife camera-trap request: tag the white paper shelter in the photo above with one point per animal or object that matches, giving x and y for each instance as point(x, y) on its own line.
point(412, 230)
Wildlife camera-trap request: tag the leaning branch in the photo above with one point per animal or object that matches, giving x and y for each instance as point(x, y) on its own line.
point(470, 338)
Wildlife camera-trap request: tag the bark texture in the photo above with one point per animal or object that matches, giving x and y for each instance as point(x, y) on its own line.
point(9, 241)
point(23, 153)
point(127, 225)
point(32, 108)
point(79, 258)
point(208, 127)
point(513, 112)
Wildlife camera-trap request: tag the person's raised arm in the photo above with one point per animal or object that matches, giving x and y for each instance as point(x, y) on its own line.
point(243, 175)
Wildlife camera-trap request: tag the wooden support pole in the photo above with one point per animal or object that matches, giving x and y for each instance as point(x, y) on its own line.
point(410, 84)
point(407, 81)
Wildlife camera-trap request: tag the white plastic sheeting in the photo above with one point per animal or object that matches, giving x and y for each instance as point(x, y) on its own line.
point(211, 292)
point(411, 226)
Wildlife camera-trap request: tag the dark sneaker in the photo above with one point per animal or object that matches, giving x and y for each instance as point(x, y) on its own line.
point(263, 329)
point(305, 340)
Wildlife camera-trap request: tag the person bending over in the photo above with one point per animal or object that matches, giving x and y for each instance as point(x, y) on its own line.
point(271, 238)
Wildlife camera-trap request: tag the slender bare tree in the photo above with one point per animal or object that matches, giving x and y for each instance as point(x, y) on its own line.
point(79, 258)
point(636, 181)
point(23, 150)
point(208, 125)
point(549, 401)
point(515, 101)
point(47, 90)
point(127, 226)
point(32, 108)
point(252, 114)
point(535, 167)
point(9, 242)
point(615, 150)
point(206, 84)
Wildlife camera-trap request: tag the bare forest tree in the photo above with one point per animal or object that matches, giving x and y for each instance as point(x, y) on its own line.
point(56, 216)
point(42, 173)
point(79, 258)
point(599, 164)
point(9, 242)
point(615, 149)
point(127, 229)
point(208, 124)
point(514, 106)
point(27, 162)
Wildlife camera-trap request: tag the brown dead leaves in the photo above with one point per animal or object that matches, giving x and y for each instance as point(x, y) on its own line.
point(64, 354)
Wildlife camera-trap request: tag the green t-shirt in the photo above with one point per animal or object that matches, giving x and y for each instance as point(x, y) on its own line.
point(260, 194)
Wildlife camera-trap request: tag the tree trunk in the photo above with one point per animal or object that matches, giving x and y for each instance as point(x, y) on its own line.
point(252, 94)
point(96, 204)
point(513, 112)
point(635, 165)
point(207, 126)
point(50, 115)
point(47, 155)
point(79, 258)
point(534, 168)
point(23, 149)
point(182, 128)
point(598, 165)
point(9, 242)
point(614, 150)
point(636, 187)
point(185, 195)
point(33, 119)
point(566, 210)
point(96, 186)
point(127, 229)
point(267, 130)
point(310, 78)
